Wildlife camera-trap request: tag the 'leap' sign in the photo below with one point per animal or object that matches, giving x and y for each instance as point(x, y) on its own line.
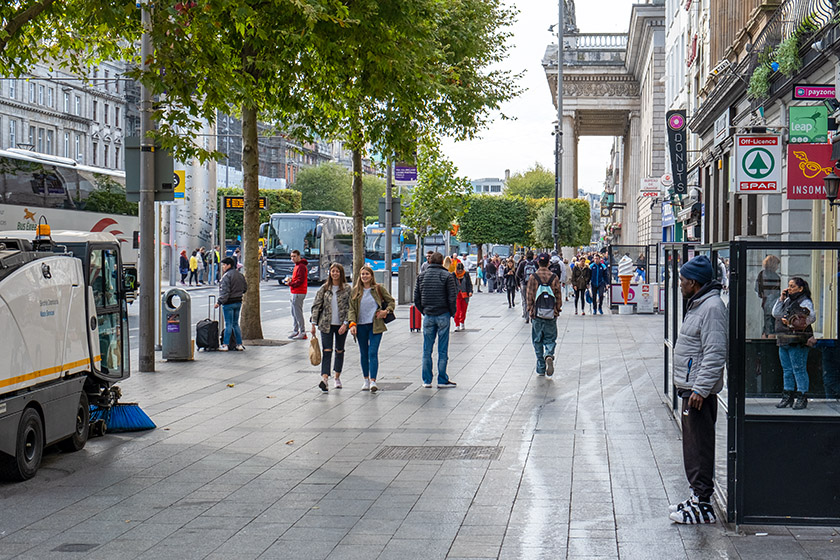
point(758, 161)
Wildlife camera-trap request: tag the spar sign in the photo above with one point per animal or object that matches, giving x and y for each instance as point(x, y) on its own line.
point(758, 163)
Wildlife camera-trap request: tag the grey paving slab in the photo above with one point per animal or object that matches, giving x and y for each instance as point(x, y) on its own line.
point(271, 468)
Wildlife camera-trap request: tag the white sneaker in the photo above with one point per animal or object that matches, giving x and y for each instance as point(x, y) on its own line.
point(427, 385)
point(293, 334)
point(695, 513)
point(373, 387)
point(223, 348)
point(240, 348)
point(300, 336)
point(366, 386)
point(693, 499)
point(549, 366)
point(337, 383)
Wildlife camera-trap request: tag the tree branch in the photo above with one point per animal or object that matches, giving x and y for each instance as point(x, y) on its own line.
point(22, 18)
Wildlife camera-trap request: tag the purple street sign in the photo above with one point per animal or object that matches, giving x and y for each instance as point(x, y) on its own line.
point(404, 172)
point(804, 91)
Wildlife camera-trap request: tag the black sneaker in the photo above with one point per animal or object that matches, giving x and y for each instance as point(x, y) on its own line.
point(447, 385)
point(694, 513)
point(323, 386)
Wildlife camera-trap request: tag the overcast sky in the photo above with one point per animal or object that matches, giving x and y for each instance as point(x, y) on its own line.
point(518, 144)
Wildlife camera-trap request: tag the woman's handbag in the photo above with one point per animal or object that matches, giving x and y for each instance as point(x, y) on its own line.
point(797, 318)
point(384, 306)
point(314, 351)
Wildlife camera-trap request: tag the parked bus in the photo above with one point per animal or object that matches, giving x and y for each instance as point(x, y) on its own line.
point(66, 193)
point(322, 237)
point(375, 247)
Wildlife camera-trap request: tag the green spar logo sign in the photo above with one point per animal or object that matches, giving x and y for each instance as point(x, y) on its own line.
point(758, 163)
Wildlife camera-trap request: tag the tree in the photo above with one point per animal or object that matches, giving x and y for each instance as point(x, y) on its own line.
point(574, 227)
point(536, 182)
point(109, 198)
point(373, 188)
point(409, 69)
point(494, 219)
point(439, 197)
point(325, 187)
point(68, 33)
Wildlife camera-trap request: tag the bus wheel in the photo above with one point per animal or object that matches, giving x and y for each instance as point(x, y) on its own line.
point(80, 435)
point(29, 448)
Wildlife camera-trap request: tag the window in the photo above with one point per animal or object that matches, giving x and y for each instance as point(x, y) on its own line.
point(12, 133)
point(95, 149)
point(107, 76)
point(66, 102)
point(79, 156)
point(67, 145)
point(95, 109)
point(50, 142)
point(107, 108)
point(78, 106)
point(116, 157)
point(117, 117)
point(32, 135)
point(41, 140)
point(40, 95)
point(50, 97)
point(105, 159)
point(31, 92)
point(12, 89)
point(117, 83)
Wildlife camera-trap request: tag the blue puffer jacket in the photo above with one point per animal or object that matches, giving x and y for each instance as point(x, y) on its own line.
point(703, 344)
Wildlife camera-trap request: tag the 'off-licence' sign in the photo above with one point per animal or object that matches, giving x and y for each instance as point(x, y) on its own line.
point(758, 160)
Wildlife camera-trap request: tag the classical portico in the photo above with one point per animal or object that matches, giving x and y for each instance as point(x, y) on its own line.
point(611, 87)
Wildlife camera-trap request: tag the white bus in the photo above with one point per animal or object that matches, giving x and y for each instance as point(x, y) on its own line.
point(64, 192)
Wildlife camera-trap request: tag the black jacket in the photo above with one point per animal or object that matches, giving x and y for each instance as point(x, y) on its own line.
point(436, 292)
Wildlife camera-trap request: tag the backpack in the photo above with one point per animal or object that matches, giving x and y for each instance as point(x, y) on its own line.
point(545, 301)
point(529, 268)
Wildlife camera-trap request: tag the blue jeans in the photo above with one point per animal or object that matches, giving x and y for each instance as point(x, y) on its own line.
point(368, 349)
point(436, 326)
point(794, 361)
point(231, 314)
point(544, 337)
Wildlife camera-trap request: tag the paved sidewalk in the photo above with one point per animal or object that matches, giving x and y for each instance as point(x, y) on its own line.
point(250, 460)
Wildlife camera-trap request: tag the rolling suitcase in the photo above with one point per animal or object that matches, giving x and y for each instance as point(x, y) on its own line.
point(207, 330)
point(415, 320)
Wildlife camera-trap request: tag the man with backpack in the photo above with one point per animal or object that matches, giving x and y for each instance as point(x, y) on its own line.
point(544, 305)
point(527, 268)
point(598, 280)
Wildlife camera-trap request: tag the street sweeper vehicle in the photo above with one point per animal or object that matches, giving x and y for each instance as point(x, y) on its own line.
point(63, 341)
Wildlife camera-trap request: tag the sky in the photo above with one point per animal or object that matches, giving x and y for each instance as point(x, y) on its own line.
point(518, 144)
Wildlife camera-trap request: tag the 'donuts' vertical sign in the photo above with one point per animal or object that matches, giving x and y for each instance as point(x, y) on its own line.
point(677, 146)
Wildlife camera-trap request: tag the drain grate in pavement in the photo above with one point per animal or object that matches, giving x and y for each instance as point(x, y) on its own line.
point(394, 386)
point(75, 547)
point(439, 452)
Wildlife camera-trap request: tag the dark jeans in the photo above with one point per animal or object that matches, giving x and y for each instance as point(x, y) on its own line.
point(193, 276)
point(511, 294)
point(698, 428)
point(368, 349)
point(597, 293)
point(580, 296)
point(327, 343)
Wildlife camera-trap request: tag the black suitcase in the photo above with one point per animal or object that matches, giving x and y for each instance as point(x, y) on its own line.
point(207, 330)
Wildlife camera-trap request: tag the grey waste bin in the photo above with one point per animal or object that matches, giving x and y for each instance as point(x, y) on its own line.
point(408, 277)
point(176, 325)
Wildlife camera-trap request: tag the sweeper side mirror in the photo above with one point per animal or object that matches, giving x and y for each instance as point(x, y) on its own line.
point(130, 283)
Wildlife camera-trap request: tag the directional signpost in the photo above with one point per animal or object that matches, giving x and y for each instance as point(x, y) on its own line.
point(758, 160)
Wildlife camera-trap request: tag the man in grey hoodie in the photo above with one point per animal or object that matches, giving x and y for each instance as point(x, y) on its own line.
point(699, 360)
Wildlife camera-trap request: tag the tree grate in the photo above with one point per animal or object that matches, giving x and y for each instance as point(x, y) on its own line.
point(439, 452)
point(75, 547)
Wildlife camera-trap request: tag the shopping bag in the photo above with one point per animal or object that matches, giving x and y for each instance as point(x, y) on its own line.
point(314, 351)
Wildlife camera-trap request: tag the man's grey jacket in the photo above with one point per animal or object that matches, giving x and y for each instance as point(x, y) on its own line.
point(703, 343)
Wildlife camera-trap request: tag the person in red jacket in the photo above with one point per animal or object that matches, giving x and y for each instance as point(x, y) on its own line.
point(298, 283)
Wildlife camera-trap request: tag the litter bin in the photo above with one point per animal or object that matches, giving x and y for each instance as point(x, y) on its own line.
point(176, 325)
point(408, 277)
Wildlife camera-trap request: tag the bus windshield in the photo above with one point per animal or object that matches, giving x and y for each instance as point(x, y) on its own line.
point(375, 244)
point(288, 233)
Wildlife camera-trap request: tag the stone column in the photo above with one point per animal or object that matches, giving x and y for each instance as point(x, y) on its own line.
point(569, 156)
point(631, 184)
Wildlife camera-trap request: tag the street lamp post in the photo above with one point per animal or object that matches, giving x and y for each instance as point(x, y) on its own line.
point(558, 184)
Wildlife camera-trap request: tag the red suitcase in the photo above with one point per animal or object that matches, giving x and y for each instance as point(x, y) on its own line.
point(415, 320)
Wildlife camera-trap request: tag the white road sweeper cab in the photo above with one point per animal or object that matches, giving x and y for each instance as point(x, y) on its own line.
point(63, 340)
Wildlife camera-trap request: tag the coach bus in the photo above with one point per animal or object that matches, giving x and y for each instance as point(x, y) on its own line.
point(375, 247)
point(64, 192)
point(322, 237)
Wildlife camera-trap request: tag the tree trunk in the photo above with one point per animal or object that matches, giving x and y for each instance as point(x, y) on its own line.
point(480, 254)
point(251, 323)
point(358, 215)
